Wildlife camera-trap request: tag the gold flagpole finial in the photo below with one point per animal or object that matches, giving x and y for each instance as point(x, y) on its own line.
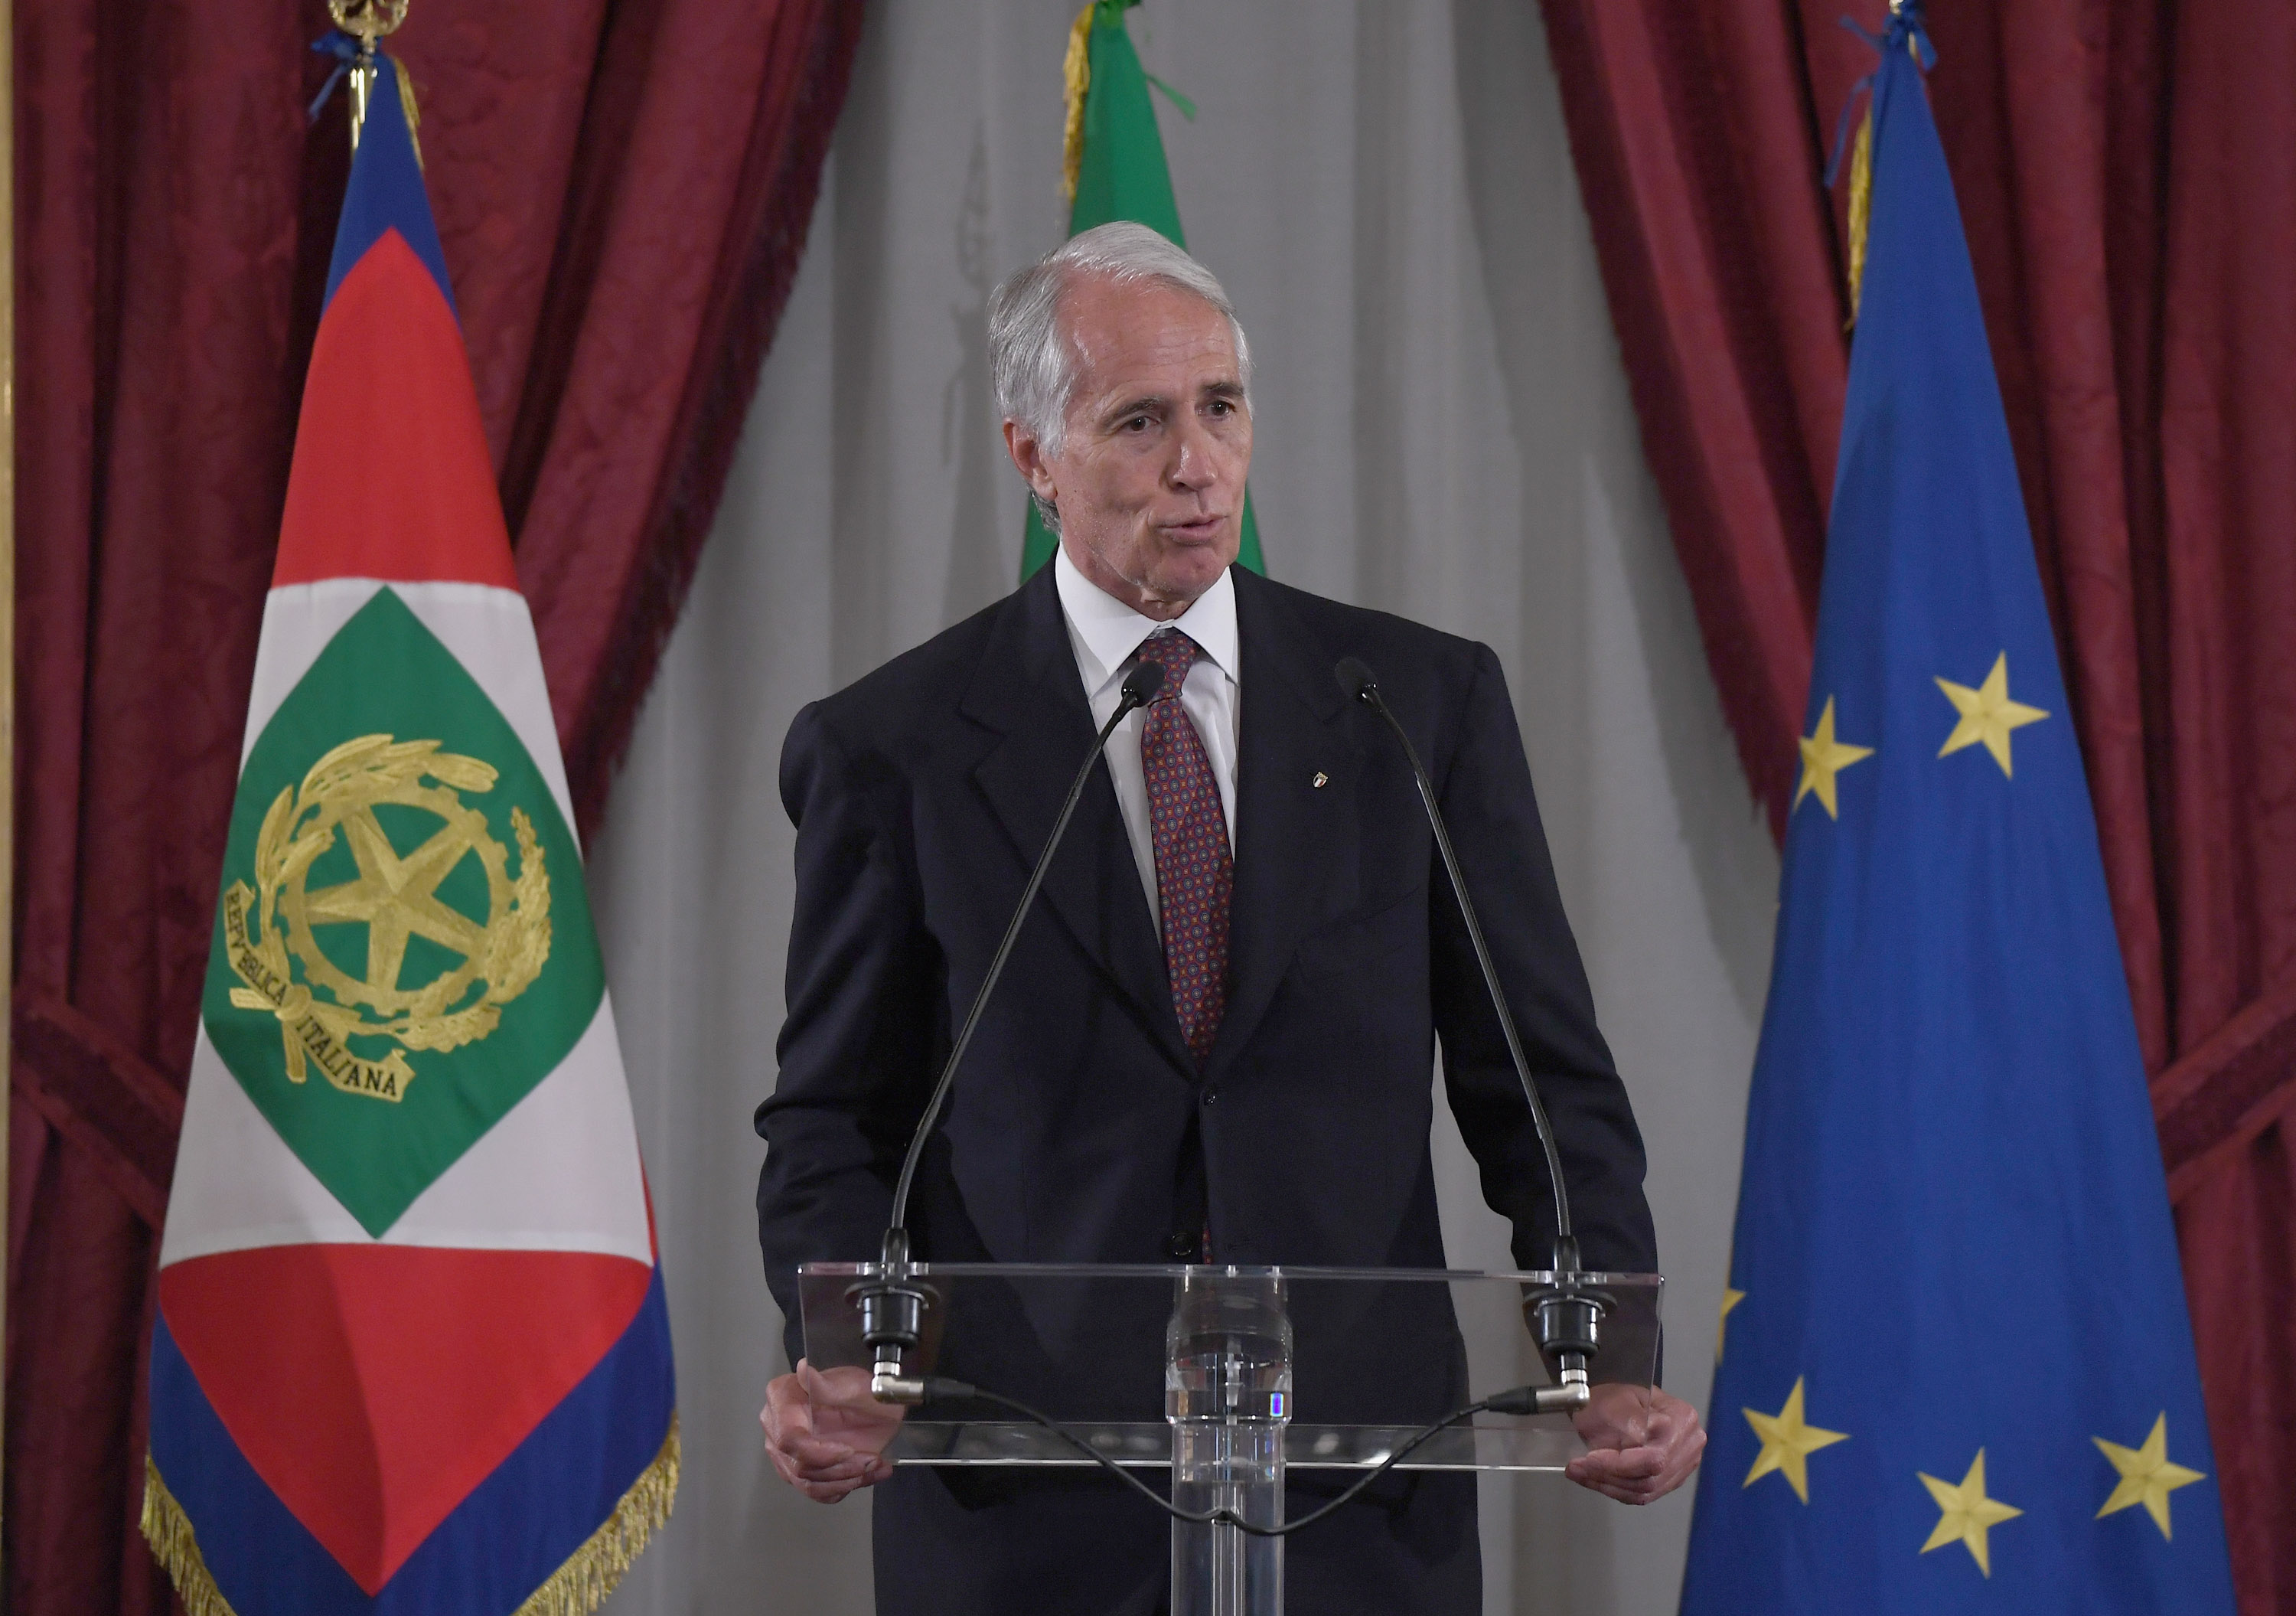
point(367, 21)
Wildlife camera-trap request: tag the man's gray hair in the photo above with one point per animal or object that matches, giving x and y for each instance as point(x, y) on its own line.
point(1031, 357)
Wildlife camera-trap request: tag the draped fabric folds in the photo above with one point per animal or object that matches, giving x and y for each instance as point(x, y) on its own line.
point(2126, 172)
point(622, 193)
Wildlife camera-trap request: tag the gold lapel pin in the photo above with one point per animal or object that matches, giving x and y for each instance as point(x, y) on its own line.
point(1321, 780)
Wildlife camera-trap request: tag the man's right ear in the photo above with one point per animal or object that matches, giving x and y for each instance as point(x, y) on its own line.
point(1028, 459)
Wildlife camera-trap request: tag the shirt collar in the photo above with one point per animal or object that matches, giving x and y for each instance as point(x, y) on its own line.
point(1106, 631)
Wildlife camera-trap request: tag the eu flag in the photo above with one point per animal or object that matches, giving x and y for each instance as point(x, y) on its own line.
point(1957, 1374)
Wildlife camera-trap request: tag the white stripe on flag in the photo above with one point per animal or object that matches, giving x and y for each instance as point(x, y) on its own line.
point(559, 1172)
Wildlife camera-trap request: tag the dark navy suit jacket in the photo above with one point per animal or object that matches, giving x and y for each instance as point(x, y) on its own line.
point(1081, 1130)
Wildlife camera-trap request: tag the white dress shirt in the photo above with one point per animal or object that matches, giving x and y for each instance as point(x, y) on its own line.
point(1105, 633)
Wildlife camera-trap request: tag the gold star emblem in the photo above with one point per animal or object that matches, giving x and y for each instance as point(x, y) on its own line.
point(1822, 759)
point(1987, 714)
point(397, 897)
point(1965, 1513)
point(1787, 1442)
point(1730, 1299)
point(2146, 1476)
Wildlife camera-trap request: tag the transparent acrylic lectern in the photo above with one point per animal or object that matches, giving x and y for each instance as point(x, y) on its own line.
point(1230, 1378)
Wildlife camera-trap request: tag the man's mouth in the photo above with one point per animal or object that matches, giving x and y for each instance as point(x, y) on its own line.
point(1196, 530)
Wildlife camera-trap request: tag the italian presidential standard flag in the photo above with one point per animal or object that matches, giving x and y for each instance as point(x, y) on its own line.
point(411, 1353)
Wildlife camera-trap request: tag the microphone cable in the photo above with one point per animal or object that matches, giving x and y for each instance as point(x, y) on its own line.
point(1519, 1400)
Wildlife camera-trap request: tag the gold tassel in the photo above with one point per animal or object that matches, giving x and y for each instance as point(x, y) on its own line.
point(575, 1588)
point(581, 1585)
point(407, 105)
point(168, 1530)
point(1861, 208)
point(1076, 73)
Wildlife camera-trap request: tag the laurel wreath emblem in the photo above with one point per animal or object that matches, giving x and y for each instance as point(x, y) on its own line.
point(268, 927)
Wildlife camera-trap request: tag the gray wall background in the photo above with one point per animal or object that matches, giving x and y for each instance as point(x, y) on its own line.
point(1443, 429)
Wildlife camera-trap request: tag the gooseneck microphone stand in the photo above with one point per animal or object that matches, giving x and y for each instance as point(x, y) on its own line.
point(1565, 1316)
point(892, 1304)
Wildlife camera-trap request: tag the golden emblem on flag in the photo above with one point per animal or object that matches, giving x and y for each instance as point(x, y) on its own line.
point(395, 896)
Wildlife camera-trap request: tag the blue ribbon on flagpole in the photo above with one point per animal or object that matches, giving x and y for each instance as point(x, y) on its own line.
point(1906, 27)
point(345, 50)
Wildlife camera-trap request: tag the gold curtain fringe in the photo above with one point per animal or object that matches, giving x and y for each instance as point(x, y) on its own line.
point(581, 1585)
point(168, 1530)
point(576, 1588)
point(1076, 74)
point(1861, 208)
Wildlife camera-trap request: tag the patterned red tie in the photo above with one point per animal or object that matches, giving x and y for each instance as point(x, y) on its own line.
point(1195, 875)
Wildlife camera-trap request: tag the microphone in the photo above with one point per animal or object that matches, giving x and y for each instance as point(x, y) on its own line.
point(892, 1304)
point(1565, 1318)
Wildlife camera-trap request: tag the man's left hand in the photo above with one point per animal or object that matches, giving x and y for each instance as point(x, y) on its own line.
point(1641, 1443)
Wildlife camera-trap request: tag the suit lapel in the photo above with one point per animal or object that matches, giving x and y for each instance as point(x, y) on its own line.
point(1297, 841)
point(1026, 689)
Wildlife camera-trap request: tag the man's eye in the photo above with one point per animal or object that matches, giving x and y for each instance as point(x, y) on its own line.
point(1223, 407)
point(1138, 424)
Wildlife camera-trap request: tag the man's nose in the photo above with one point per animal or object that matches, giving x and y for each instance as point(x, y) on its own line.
point(1195, 461)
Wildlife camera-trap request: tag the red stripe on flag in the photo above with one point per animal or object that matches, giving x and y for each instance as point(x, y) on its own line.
point(373, 1387)
point(391, 477)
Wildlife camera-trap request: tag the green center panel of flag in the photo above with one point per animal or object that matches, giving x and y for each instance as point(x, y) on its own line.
point(404, 946)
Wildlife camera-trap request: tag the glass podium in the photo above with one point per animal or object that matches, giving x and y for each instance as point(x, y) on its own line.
point(1227, 1378)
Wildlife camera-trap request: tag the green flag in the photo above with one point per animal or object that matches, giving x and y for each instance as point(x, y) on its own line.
point(1117, 171)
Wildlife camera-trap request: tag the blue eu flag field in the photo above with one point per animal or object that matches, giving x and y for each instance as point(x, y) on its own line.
point(1957, 1373)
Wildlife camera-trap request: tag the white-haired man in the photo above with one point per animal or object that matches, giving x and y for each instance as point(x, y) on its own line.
point(1217, 1043)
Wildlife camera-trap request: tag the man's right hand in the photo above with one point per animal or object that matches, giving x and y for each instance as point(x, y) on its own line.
point(824, 1433)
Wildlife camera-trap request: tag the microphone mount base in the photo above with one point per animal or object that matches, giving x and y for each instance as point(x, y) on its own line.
point(1566, 1321)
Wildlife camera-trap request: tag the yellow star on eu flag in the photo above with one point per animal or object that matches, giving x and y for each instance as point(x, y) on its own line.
point(1965, 1513)
point(2146, 1476)
point(1822, 759)
point(1787, 1442)
point(1988, 715)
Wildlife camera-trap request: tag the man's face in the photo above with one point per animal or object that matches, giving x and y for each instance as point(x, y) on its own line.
point(1149, 481)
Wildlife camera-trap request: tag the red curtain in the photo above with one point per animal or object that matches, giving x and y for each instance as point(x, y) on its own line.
point(622, 189)
point(2126, 172)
